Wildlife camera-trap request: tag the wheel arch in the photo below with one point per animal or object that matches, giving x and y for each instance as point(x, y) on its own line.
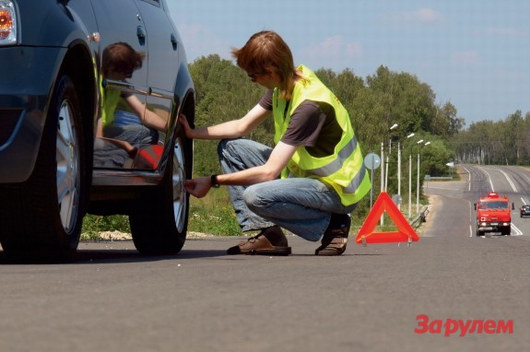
point(188, 109)
point(80, 67)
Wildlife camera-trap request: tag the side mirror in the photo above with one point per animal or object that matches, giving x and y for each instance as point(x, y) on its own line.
point(475, 206)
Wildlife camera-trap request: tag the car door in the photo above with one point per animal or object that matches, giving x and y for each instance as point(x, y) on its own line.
point(122, 33)
point(163, 67)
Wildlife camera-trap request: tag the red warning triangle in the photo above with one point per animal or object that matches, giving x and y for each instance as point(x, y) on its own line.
point(405, 232)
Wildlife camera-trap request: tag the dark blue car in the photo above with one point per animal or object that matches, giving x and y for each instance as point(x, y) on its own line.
point(525, 210)
point(90, 91)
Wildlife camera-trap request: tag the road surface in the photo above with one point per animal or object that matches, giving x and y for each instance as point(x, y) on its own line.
point(377, 298)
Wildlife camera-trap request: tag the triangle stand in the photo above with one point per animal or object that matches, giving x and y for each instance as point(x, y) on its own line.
point(405, 231)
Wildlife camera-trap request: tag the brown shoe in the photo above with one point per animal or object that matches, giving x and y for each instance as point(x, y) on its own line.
point(260, 245)
point(335, 239)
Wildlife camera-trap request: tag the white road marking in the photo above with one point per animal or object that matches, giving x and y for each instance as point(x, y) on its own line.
point(509, 181)
point(489, 178)
point(517, 231)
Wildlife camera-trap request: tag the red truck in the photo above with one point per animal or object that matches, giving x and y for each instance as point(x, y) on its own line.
point(493, 214)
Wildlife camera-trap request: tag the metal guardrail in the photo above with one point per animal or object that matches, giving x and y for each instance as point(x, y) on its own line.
point(421, 217)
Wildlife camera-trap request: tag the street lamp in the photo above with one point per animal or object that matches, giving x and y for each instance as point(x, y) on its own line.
point(399, 169)
point(418, 177)
point(394, 126)
point(399, 173)
point(384, 167)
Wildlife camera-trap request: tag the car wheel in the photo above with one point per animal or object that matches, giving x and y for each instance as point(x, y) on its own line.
point(41, 219)
point(159, 219)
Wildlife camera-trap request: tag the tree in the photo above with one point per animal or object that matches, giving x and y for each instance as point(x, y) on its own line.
point(445, 122)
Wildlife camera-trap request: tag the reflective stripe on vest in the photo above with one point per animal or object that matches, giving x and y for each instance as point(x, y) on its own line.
point(336, 165)
point(344, 170)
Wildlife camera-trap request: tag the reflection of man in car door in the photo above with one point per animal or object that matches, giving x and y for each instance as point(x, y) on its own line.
point(125, 121)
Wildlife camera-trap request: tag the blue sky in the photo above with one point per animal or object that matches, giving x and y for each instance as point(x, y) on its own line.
point(473, 53)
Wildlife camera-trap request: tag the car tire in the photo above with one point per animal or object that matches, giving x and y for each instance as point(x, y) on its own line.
point(41, 218)
point(159, 218)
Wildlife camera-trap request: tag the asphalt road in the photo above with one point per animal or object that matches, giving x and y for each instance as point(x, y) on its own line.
point(373, 298)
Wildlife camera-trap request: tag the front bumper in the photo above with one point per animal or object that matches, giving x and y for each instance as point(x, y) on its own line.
point(28, 76)
point(495, 227)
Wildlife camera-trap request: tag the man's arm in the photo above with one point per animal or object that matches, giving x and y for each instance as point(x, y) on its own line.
point(278, 159)
point(230, 129)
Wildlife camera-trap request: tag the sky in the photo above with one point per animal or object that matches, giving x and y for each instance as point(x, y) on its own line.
point(474, 54)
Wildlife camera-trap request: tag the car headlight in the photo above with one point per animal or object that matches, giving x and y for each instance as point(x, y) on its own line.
point(8, 23)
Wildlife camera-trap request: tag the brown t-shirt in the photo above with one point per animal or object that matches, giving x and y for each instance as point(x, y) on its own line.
point(312, 125)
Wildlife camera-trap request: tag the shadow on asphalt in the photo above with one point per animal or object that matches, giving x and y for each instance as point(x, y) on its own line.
point(102, 256)
point(131, 255)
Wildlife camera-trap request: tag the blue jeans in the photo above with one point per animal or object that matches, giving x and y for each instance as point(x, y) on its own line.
point(301, 205)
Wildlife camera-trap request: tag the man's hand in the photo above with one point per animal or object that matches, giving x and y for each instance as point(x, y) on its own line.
point(198, 187)
point(183, 121)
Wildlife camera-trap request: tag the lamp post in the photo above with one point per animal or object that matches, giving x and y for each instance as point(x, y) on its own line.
point(394, 126)
point(399, 174)
point(410, 184)
point(384, 167)
point(418, 177)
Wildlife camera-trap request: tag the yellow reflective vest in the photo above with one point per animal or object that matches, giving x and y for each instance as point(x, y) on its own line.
point(109, 101)
point(344, 170)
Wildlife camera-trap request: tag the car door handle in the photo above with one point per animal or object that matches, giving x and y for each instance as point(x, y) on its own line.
point(174, 42)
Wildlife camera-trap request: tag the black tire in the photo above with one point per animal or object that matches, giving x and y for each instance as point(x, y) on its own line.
point(41, 219)
point(159, 219)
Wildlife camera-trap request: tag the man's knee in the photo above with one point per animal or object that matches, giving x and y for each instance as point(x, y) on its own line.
point(224, 145)
point(252, 198)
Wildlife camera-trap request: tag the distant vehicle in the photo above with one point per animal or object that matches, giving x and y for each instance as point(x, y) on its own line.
point(493, 214)
point(525, 210)
point(90, 91)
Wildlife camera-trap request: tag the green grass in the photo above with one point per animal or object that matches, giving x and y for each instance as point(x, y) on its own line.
point(213, 214)
point(94, 224)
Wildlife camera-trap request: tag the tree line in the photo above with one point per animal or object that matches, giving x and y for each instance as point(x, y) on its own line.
point(505, 142)
point(375, 103)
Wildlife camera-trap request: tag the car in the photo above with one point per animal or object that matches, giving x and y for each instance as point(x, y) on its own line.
point(90, 94)
point(525, 210)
